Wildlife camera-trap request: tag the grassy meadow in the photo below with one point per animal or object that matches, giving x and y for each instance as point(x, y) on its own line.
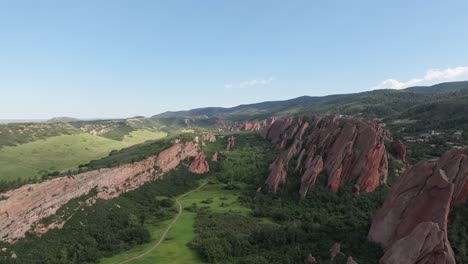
point(62, 152)
point(174, 248)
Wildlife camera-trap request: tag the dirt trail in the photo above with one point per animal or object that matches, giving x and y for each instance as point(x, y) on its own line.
point(168, 227)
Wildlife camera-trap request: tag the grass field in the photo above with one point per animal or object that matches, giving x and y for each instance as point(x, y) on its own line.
point(62, 152)
point(174, 249)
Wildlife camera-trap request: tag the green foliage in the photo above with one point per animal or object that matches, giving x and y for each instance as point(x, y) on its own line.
point(300, 227)
point(16, 134)
point(247, 162)
point(458, 232)
point(43, 159)
point(107, 227)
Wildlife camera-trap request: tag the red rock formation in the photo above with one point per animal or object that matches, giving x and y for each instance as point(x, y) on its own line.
point(310, 175)
point(311, 260)
point(248, 126)
point(350, 150)
point(230, 144)
point(412, 223)
point(334, 250)
point(199, 165)
point(27, 205)
point(220, 122)
point(356, 190)
point(350, 260)
point(210, 137)
point(171, 157)
point(214, 158)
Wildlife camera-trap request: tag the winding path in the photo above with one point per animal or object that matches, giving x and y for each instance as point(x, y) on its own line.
point(167, 229)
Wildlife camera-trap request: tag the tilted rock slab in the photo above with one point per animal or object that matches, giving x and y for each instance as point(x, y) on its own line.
point(27, 205)
point(210, 137)
point(199, 165)
point(412, 223)
point(349, 150)
point(230, 143)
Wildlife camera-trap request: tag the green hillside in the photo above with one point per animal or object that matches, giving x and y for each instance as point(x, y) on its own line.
point(57, 153)
point(372, 104)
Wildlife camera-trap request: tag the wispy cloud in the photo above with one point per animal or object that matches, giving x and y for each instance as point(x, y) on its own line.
point(432, 76)
point(250, 83)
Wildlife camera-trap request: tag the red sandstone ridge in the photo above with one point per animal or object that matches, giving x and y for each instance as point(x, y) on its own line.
point(347, 149)
point(214, 158)
point(199, 165)
point(230, 143)
point(248, 126)
point(27, 205)
point(412, 223)
point(210, 137)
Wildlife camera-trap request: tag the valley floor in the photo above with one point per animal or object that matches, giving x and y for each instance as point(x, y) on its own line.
point(174, 248)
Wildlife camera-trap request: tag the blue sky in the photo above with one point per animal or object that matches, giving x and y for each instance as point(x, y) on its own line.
point(124, 58)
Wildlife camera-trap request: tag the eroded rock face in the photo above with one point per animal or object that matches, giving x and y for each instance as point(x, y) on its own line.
point(310, 175)
point(412, 223)
point(27, 205)
point(311, 260)
point(231, 142)
point(334, 250)
point(248, 126)
point(199, 165)
point(346, 149)
point(210, 137)
point(214, 158)
point(350, 260)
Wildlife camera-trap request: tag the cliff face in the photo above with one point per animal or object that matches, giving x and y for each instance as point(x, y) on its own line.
point(27, 205)
point(199, 165)
point(347, 149)
point(412, 223)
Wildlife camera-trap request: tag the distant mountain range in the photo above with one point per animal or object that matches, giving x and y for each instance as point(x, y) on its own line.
point(370, 104)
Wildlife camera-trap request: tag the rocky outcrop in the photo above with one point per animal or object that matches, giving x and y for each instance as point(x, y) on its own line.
point(220, 122)
point(412, 223)
point(345, 149)
point(214, 158)
point(310, 175)
point(230, 143)
point(311, 260)
point(248, 126)
point(199, 165)
point(24, 207)
point(210, 137)
point(335, 249)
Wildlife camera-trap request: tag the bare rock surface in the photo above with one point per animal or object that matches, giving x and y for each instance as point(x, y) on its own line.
point(346, 149)
point(210, 137)
point(311, 260)
point(214, 158)
point(334, 250)
point(26, 206)
point(412, 223)
point(230, 143)
point(199, 165)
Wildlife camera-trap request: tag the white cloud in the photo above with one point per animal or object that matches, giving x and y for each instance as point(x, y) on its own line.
point(433, 76)
point(250, 83)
